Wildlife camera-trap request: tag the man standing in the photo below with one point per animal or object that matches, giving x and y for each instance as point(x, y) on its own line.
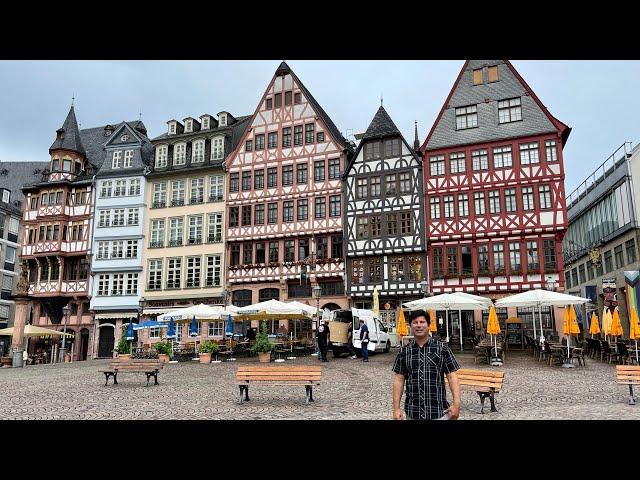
point(352, 352)
point(323, 339)
point(422, 365)
point(364, 340)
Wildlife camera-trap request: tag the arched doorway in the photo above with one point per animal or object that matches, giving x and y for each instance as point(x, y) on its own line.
point(70, 343)
point(106, 340)
point(84, 344)
point(331, 306)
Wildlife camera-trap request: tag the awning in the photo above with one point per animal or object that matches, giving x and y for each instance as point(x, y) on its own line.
point(157, 310)
point(116, 315)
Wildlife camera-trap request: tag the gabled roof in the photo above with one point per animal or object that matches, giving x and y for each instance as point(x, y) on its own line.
point(536, 117)
point(68, 136)
point(381, 126)
point(14, 175)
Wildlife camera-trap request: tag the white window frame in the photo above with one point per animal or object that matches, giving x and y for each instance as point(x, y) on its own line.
point(132, 249)
point(117, 284)
point(436, 165)
point(479, 204)
point(154, 280)
point(177, 192)
point(116, 159)
point(134, 186)
point(510, 110)
point(544, 194)
point(105, 189)
point(463, 204)
point(205, 123)
point(466, 117)
point(128, 158)
point(528, 199)
point(502, 157)
point(196, 185)
point(434, 207)
point(102, 251)
point(188, 126)
point(195, 229)
point(118, 217)
point(494, 202)
point(216, 328)
point(457, 162)
point(160, 192)
point(216, 187)
point(117, 249)
point(120, 189)
point(480, 159)
point(197, 154)
point(176, 229)
point(551, 148)
point(222, 120)
point(214, 227)
point(104, 218)
point(194, 272)
point(174, 273)
point(214, 270)
point(180, 153)
point(529, 153)
point(162, 154)
point(217, 148)
point(157, 230)
point(132, 216)
point(104, 285)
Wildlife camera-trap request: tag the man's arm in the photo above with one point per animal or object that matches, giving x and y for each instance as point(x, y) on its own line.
point(454, 386)
point(398, 387)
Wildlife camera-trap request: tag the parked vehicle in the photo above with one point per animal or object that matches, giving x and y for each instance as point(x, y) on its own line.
point(378, 333)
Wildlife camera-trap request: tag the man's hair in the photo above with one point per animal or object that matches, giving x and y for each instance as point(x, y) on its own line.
point(419, 313)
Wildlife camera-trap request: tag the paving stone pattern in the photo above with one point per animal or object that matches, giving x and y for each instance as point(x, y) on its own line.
point(350, 390)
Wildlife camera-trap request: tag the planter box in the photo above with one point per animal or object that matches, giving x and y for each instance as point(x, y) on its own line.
point(205, 358)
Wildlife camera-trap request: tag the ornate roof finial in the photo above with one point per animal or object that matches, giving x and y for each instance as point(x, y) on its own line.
point(73, 99)
point(416, 142)
point(381, 100)
point(140, 116)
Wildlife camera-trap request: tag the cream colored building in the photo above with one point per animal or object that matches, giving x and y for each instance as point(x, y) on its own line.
point(183, 254)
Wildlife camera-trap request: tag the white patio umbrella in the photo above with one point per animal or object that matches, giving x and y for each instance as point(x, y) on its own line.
point(200, 311)
point(446, 302)
point(540, 298)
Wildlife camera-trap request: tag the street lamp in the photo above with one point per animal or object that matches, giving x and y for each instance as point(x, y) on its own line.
point(65, 313)
point(317, 291)
point(424, 286)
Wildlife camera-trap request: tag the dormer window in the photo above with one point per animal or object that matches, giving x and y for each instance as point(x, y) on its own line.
point(6, 195)
point(223, 120)
point(124, 137)
point(180, 154)
point(172, 128)
point(188, 126)
point(66, 165)
point(161, 156)
point(108, 131)
point(217, 148)
point(128, 158)
point(116, 160)
point(55, 165)
point(205, 123)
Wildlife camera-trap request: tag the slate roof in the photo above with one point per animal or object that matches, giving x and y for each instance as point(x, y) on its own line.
point(68, 136)
point(381, 126)
point(13, 175)
point(175, 136)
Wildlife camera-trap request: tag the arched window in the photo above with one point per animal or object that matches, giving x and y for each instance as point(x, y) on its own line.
point(268, 294)
point(242, 298)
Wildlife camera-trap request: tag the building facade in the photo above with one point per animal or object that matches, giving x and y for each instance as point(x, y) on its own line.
point(494, 190)
point(13, 175)
point(601, 243)
point(284, 207)
point(184, 217)
point(118, 229)
point(384, 219)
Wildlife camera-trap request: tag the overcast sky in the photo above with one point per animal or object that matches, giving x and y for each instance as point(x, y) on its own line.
point(600, 100)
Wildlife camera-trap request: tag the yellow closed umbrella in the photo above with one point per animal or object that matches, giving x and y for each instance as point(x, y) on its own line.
point(493, 326)
point(594, 329)
point(402, 330)
point(376, 302)
point(634, 329)
point(606, 322)
point(433, 327)
point(569, 328)
point(565, 321)
point(616, 326)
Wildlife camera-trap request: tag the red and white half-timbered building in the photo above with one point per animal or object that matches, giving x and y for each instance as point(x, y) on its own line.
point(284, 201)
point(494, 188)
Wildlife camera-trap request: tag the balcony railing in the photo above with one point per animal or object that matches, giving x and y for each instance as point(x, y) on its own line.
point(196, 200)
point(215, 198)
point(214, 238)
point(177, 203)
point(194, 240)
point(159, 244)
point(175, 243)
point(158, 204)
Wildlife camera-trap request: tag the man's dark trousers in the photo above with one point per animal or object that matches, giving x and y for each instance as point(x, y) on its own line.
point(323, 345)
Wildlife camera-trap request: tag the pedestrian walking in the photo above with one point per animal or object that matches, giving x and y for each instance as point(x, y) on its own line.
point(352, 352)
point(421, 366)
point(364, 340)
point(323, 340)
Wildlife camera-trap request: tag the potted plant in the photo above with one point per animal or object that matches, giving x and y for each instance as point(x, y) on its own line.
point(164, 351)
point(123, 349)
point(206, 349)
point(263, 346)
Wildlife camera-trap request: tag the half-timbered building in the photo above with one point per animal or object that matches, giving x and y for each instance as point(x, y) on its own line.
point(384, 219)
point(494, 188)
point(284, 207)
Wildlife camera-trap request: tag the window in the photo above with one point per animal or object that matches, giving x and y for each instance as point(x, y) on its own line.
point(134, 186)
point(375, 269)
point(179, 153)
point(552, 152)
point(302, 173)
point(289, 250)
point(157, 232)
point(372, 151)
point(287, 175)
point(463, 205)
point(103, 285)
point(392, 147)
point(118, 217)
point(483, 259)
point(174, 272)
point(273, 139)
point(66, 165)
point(630, 247)
point(128, 158)
point(287, 98)
point(269, 104)
point(235, 254)
point(197, 191)
point(375, 225)
point(287, 211)
point(320, 207)
point(336, 246)
point(259, 214)
point(214, 275)
point(510, 204)
point(197, 156)
point(272, 177)
point(303, 209)
point(155, 275)
point(297, 98)
point(391, 184)
point(447, 202)
point(260, 141)
point(567, 279)
point(590, 272)
point(478, 203)
point(334, 206)
point(216, 187)
point(452, 260)
point(392, 224)
point(434, 204)
point(498, 258)
point(374, 186)
point(544, 193)
point(286, 137)
point(457, 162)
point(405, 223)
point(159, 194)
point(397, 269)
point(362, 227)
point(404, 180)
point(278, 100)
point(104, 218)
point(132, 249)
point(132, 216)
point(297, 135)
point(527, 199)
point(514, 257)
point(248, 146)
point(205, 123)
point(362, 187)
point(105, 191)
point(533, 261)
point(509, 110)
point(502, 157)
point(214, 227)
point(494, 201)
point(223, 120)
point(436, 165)
point(273, 213)
point(246, 215)
point(438, 269)
point(193, 271)
point(273, 252)
point(309, 133)
point(320, 137)
point(246, 181)
point(529, 153)
point(574, 276)
point(618, 255)
point(466, 117)
point(217, 147)
point(116, 160)
point(117, 249)
point(493, 74)
point(161, 155)
point(103, 250)
point(177, 192)
point(334, 168)
point(477, 77)
point(121, 188)
point(176, 229)
point(234, 182)
point(216, 329)
point(318, 171)
point(581, 273)
point(303, 249)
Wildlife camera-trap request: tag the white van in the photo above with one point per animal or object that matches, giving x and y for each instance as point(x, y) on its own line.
point(379, 340)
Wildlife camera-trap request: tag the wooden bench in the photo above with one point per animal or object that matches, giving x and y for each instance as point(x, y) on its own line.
point(278, 375)
point(628, 375)
point(149, 367)
point(485, 382)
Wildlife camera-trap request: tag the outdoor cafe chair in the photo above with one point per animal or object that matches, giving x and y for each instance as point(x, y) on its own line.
point(553, 353)
point(597, 349)
point(608, 353)
point(623, 352)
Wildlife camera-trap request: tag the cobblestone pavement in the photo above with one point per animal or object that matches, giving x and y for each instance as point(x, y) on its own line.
point(350, 389)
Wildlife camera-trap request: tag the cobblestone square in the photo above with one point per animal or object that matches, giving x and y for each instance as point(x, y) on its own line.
point(350, 390)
